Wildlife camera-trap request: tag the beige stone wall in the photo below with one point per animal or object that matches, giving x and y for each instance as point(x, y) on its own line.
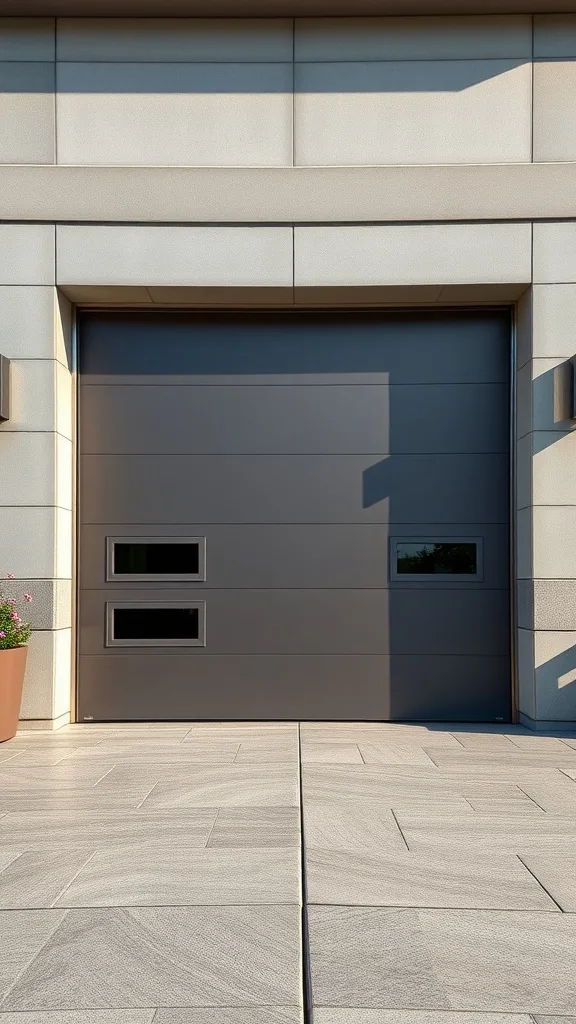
point(36, 461)
point(456, 107)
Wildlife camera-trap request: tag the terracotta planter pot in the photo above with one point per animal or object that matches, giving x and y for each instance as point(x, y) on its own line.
point(12, 666)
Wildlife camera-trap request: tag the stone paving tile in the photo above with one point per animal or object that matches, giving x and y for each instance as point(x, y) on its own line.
point(256, 827)
point(88, 828)
point(372, 956)
point(354, 1015)
point(37, 877)
point(356, 828)
point(179, 755)
point(23, 933)
point(506, 962)
point(164, 956)
point(227, 785)
point(512, 833)
point(564, 756)
point(28, 799)
point(505, 805)
point(406, 879)
point(557, 874)
point(161, 875)
point(394, 753)
point(333, 752)
point(118, 1016)
point(262, 1015)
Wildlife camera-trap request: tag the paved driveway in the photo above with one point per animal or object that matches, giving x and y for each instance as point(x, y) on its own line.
point(154, 873)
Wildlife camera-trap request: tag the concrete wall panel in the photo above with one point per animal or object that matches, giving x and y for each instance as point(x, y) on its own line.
point(554, 110)
point(171, 113)
point(174, 255)
point(415, 112)
point(413, 254)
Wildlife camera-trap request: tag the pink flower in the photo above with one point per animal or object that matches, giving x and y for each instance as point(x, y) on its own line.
point(10, 575)
point(27, 597)
point(2, 634)
point(15, 616)
point(11, 600)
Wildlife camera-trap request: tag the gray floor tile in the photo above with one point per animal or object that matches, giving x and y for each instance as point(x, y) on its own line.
point(557, 796)
point(327, 752)
point(256, 827)
point(539, 1019)
point(366, 956)
point(570, 772)
point(479, 741)
point(266, 1015)
point(22, 935)
point(9, 854)
point(38, 757)
point(504, 962)
point(57, 777)
point(228, 785)
point(54, 799)
point(332, 826)
point(512, 833)
point(405, 879)
point(168, 956)
point(558, 758)
point(385, 753)
point(91, 828)
point(334, 1015)
point(169, 875)
point(249, 753)
point(179, 754)
point(504, 805)
point(144, 1016)
point(557, 874)
point(37, 877)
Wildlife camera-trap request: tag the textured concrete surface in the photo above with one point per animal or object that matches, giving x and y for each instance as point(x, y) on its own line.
point(154, 873)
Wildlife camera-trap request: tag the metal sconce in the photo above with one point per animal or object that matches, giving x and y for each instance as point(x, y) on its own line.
point(4, 388)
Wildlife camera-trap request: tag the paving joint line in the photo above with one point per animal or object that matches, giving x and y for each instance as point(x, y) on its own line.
point(306, 979)
point(543, 887)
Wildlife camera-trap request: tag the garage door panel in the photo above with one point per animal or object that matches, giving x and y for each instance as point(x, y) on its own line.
point(321, 489)
point(326, 621)
point(300, 448)
point(264, 621)
point(311, 348)
point(435, 622)
point(338, 419)
point(301, 556)
point(449, 688)
point(244, 687)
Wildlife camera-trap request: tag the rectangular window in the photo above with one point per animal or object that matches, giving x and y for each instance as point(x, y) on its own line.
point(428, 559)
point(155, 624)
point(142, 559)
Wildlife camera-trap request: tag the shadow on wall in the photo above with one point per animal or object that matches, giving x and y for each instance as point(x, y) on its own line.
point(151, 78)
point(556, 687)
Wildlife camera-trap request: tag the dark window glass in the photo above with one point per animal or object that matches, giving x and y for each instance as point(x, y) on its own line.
point(423, 559)
point(156, 623)
point(132, 558)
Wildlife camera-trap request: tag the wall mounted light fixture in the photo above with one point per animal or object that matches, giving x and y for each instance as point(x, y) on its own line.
point(4, 388)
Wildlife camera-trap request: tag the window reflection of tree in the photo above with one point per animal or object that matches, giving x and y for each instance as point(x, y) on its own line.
point(437, 558)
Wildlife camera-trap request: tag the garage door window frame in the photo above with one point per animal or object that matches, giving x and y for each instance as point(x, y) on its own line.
point(403, 577)
point(112, 641)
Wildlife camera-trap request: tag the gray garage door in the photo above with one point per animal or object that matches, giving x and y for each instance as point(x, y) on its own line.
point(294, 515)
